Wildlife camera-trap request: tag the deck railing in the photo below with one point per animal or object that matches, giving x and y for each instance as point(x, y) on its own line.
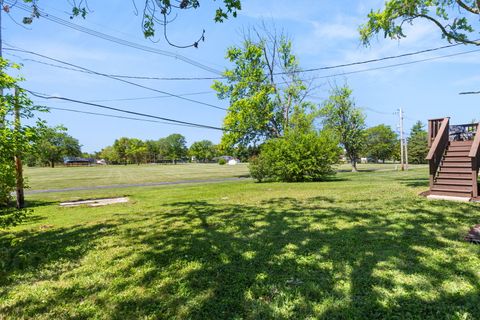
point(463, 132)
point(475, 156)
point(438, 137)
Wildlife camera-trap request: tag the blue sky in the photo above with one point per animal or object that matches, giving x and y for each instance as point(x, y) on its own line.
point(323, 32)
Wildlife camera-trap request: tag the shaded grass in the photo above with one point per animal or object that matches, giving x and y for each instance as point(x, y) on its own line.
point(363, 247)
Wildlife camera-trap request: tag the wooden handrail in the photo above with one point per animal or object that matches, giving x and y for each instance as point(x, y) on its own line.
point(438, 138)
point(476, 144)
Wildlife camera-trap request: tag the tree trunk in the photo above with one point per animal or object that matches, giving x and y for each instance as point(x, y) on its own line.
point(354, 165)
point(52, 164)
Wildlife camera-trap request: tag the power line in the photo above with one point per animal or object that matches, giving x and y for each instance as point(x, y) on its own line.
point(313, 78)
point(44, 96)
point(114, 78)
point(110, 38)
point(396, 65)
point(117, 75)
point(119, 117)
point(403, 55)
point(469, 92)
point(377, 111)
point(185, 59)
point(142, 98)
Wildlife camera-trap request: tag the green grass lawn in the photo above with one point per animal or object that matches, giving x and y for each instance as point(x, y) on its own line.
point(68, 177)
point(363, 246)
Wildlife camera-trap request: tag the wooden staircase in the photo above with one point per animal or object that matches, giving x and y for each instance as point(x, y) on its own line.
point(454, 159)
point(454, 177)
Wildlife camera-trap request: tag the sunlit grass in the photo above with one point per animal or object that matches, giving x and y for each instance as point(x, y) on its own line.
point(363, 246)
point(70, 177)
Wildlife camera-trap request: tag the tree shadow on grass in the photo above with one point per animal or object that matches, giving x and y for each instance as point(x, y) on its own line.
point(418, 182)
point(282, 258)
point(35, 251)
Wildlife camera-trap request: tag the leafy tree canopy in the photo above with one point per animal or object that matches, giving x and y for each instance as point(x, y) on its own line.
point(203, 150)
point(54, 143)
point(454, 18)
point(154, 12)
point(264, 90)
point(15, 139)
point(176, 147)
point(346, 121)
point(380, 142)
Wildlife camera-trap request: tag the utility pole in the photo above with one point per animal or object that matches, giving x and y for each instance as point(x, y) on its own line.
point(18, 155)
point(406, 153)
point(403, 142)
point(402, 164)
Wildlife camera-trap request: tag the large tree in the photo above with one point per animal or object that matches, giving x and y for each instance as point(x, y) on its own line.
point(109, 155)
point(346, 121)
point(15, 142)
point(380, 142)
point(418, 144)
point(54, 143)
point(176, 147)
point(455, 19)
point(120, 147)
point(154, 12)
point(264, 89)
point(203, 150)
point(136, 151)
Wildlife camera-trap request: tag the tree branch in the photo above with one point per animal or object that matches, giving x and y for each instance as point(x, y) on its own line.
point(449, 35)
point(468, 8)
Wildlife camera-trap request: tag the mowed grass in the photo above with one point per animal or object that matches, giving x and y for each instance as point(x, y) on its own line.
point(71, 177)
point(363, 246)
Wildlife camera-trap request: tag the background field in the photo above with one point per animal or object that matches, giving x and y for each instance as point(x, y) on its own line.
point(363, 246)
point(69, 177)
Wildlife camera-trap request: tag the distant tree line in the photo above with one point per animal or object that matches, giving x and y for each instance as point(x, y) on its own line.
point(172, 149)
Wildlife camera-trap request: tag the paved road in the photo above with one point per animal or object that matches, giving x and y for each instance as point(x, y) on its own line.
point(136, 185)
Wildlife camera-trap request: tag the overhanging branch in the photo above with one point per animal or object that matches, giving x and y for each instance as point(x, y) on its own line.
point(468, 8)
point(445, 32)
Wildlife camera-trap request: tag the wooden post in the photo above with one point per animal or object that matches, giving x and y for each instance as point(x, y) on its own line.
point(474, 178)
point(18, 156)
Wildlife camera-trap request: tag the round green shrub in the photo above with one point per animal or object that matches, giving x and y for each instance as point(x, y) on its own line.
point(296, 157)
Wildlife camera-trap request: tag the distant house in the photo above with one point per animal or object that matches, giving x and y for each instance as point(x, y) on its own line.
point(77, 161)
point(233, 162)
point(228, 159)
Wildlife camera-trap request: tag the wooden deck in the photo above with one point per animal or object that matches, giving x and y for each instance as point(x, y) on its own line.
point(453, 159)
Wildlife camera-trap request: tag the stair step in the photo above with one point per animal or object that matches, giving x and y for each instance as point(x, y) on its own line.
point(453, 175)
point(458, 153)
point(459, 148)
point(450, 188)
point(457, 159)
point(461, 143)
point(457, 165)
point(456, 170)
point(453, 182)
point(451, 194)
